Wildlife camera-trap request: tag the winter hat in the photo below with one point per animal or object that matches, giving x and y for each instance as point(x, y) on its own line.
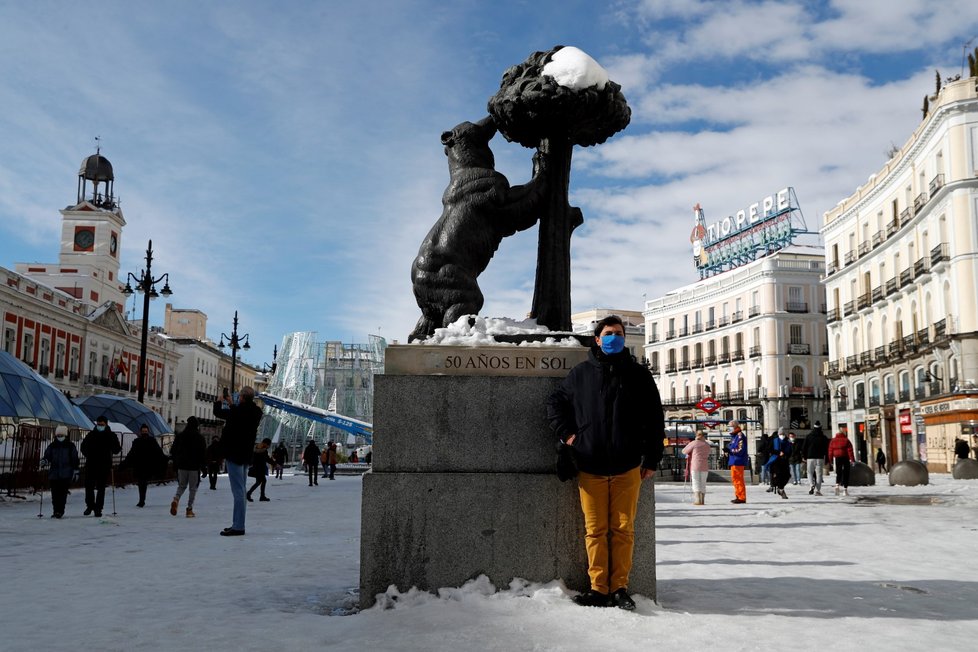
point(818, 424)
point(61, 431)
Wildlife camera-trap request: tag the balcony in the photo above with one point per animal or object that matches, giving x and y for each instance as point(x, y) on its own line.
point(849, 258)
point(892, 228)
point(832, 315)
point(684, 331)
point(877, 293)
point(865, 359)
point(919, 201)
point(753, 394)
point(73, 376)
point(670, 335)
point(848, 308)
point(935, 184)
point(710, 325)
point(842, 404)
point(723, 321)
point(671, 368)
point(874, 401)
point(880, 354)
point(797, 306)
point(697, 328)
point(834, 367)
point(921, 267)
point(909, 345)
point(878, 238)
point(864, 248)
point(754, 311)
point(799, 349)
point(852, 362)
point(920, 391)
point(906, 276)
point(934, 388)
point(940, 330)
point(653, 338)
point(754, 352)
point(654, 369)
point(59, 374)
point(44, 370)
point(697, 363)
point(737, 355)
point(905, 215)
point(923, 338)
point(864, 301)
point(737, 316)
point(904, 395)
point(723, 358)
point(859, 402)
point(891, 286)
point(939, 254)
point(832, 268)
point(684, 365)
point(895, 349)
point(711, 360)
point(889, 398)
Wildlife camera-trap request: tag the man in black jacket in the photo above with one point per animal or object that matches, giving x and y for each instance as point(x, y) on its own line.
point(238, 442)
point(98, 447)
point(814, 449)
point(608, 409)
point(215, 456)
point(310, 456)
point(146, 459)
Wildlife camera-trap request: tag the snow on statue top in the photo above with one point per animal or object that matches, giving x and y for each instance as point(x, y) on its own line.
point(551, 102)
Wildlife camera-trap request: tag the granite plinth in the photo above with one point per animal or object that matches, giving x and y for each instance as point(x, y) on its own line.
point(862, 475)
point(965, 470)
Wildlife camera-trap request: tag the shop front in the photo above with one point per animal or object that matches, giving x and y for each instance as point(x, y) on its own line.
point(945, 421)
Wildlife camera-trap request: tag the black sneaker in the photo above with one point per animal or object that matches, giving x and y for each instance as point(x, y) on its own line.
point(231, 532)
point(592, 599)
point(622, 600)
point(812, 490)
point(88, 511)
point(263, 499)
point(98, 514)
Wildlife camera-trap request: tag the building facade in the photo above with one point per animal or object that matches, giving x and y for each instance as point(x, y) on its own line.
point(65, 319)
point(751, 338)
point(902, 290)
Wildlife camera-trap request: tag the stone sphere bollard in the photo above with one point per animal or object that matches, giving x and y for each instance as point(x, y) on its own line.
point(862, 475)
point(909, 473)
point(965, 470)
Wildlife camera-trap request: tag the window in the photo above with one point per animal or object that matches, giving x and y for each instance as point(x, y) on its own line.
point(59, 358)
point(795, 334)
point(797, 376)
point(10, 341)
point(28, 352)
point(73, 368)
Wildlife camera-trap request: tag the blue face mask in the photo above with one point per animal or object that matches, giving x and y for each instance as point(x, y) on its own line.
point(612, 344)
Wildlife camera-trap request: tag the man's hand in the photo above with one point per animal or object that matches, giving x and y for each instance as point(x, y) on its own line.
point(648, 473)
point(570, 440)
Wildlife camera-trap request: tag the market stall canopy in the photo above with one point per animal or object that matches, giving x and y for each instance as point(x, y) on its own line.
point(26, 395)
point(126, 411)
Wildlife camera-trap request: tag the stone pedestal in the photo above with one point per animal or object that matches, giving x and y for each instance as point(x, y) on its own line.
point(965, 470)
point(909, 473)
point(463, 480)
point(862, 475)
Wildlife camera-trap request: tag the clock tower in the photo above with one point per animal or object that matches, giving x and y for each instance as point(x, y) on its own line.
point(91, 236)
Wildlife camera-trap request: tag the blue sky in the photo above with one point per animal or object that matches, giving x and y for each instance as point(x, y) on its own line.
point(285, 157)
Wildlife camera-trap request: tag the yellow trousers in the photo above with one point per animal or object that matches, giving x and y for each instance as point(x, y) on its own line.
point(609, 503)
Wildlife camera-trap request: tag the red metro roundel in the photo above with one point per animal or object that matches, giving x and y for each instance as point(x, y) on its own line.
point(709, 405)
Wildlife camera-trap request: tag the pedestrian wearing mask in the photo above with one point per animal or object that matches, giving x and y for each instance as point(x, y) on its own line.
point(98, 447)
point(61, 460)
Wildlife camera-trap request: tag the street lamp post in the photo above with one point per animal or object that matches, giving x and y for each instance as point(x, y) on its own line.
point(235, 343)
point(146, 284)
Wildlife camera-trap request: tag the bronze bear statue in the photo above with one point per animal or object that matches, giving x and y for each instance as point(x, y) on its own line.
point(479, 210)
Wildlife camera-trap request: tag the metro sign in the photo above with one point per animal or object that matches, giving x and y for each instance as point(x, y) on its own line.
point(709, 405)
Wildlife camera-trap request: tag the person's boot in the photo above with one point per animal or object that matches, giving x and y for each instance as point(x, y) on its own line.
point(190, 512)
point(248, 496)
point(264, 499)
point(845, 491)
point(836, 490)
point(592, 598)
point(173, 507)
point(812, 490)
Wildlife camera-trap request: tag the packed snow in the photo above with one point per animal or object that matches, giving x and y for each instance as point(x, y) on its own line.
point(472, 330)
point(807, 573)
point(573, 68)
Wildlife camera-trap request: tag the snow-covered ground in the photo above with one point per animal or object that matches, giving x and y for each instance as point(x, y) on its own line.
point(805, 573)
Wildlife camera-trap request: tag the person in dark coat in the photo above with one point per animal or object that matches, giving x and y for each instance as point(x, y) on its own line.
point(330, 458)
point(281, 456)
point(98, 447)
point(189, 455)
point(961, 449)
point(310, 457)
point(763, 456)
point(880, 461)
point(241, 420)
point(608, 410)
point(61, 460)
point(814, 451)
point(146, 459)
point(795, 459)
point(214, 460)
point(260, 460)
point(780, 467)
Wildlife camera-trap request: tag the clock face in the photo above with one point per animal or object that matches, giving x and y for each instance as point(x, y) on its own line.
point(84, 238)
point(113, 244)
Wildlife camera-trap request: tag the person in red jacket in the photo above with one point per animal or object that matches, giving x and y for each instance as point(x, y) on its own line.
point(842, 455)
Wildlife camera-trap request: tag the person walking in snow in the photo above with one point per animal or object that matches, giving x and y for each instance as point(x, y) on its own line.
point(310, 457)
point(795, 459)
point(880, 461)
point(814, 451)
point(961, 449)
point(698, 452)
point(780, 468)
point(330, 458)
point(280, 456)
point(61, 460)
point(842, 456)
point(259, 468)
point(738, 460)
point(189, 455)
point(608, 410)
point(98, 447)
point(241, 421)
point(763, 457)
point(146, 459)
point(214, 460)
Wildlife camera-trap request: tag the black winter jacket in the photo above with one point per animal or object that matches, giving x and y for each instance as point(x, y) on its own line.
point(189, 450)
point(311, 454)
point(145, 458)
point(98, 447)
point(816, 445)
point(63, 459)
point(240, 430)
point(612, 404)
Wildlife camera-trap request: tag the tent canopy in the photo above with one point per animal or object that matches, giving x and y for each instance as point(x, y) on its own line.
point(27, 395)
point(126, 411)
